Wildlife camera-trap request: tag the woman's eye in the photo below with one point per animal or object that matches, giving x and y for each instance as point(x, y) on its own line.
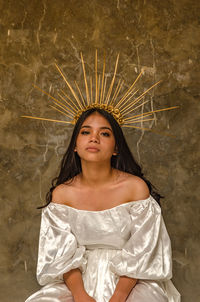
point(105, 134)
point(85, 132)
point(102, 133)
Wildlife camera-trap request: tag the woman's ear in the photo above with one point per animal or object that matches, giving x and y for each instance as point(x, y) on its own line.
point(115, 151)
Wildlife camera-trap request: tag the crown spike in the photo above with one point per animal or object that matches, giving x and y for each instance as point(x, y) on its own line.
point(91, 88)
point(98, 91)
point(140, 121)
point(71, 110)
point(60, 111)
point(63, 107)
point(60, 104)
point(45, 119)
point(70, 87)
point(81, 95)
point(96, 77)
point(112, 82)
point(38, 88)
point(117, 90)
point(71, 101)
point(54, 99)
point(129, 96)
point(139, 117)
point(151, 112)
point(145, 114)
point(85, 79)
point(138, 98)
point(135, 108)
point(104, 90)
point(102, 81)
point(129, 90)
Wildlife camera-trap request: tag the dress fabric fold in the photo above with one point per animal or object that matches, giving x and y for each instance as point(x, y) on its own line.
point(58, 250)
point(127, 240)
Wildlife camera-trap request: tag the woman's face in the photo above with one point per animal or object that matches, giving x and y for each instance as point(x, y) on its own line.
point(95, 141)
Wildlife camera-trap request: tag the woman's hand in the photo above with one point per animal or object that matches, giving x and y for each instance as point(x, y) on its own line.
point(123, 289)
point(74, 282)
point(118, 297)
point(83, 297)
point(115, 299)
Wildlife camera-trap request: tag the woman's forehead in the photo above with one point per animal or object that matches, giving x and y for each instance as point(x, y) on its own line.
point(96, 119)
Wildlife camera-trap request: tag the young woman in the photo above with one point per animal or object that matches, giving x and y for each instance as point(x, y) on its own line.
point(102, 234)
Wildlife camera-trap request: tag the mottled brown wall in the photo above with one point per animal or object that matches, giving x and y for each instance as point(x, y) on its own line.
point(163, 37)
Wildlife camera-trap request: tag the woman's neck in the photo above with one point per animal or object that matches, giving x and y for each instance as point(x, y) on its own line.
point(96, 174)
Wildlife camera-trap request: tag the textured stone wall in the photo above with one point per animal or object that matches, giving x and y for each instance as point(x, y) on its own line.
point(160, 36)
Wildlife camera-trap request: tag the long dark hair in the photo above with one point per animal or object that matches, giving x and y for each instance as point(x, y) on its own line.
point(124, 161)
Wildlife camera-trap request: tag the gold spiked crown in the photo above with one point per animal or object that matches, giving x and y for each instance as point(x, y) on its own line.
point(121, 108)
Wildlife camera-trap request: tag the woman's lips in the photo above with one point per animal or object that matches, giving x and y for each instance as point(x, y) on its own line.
point(92, 149)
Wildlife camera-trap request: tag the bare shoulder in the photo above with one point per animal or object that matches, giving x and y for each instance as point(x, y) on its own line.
point(62, 193)
point(137, 187)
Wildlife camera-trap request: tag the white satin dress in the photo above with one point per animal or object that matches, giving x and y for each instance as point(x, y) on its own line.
point(127, 240)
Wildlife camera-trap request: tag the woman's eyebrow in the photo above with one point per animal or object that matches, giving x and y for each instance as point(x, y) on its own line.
point(104, 127)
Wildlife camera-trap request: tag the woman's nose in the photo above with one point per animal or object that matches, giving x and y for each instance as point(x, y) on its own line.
point(94, 138)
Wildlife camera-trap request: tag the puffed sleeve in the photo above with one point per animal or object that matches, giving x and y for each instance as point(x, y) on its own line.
point(147, 253)
point(58, 250)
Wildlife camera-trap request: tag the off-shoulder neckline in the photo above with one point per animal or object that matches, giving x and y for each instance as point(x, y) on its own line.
point(100, 211)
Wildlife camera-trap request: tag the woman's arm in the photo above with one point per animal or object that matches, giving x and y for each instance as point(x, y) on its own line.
point(73, 280)
point(123, 289)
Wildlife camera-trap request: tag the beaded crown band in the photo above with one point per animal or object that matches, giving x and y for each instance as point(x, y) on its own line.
point(121, 108)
